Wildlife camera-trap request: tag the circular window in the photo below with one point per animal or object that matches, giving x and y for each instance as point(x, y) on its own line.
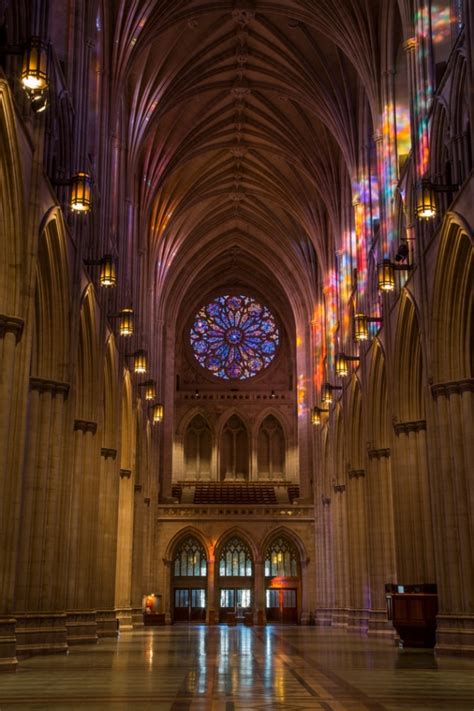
point(234, 337)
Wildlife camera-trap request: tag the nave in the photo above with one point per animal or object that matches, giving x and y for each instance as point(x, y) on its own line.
point(241, 668)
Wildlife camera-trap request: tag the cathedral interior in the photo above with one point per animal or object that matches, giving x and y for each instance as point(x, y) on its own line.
point(236, 347)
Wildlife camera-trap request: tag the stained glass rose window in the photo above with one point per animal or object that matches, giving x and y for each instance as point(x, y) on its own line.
point(234, 337)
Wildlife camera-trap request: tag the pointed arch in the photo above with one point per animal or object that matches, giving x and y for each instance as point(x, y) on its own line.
point(50, 351)
point(126, 423)
point(13, 262)
point(234, 448)
point(377, 405)
point(284, 532)
point(88, 372)
point(111, 401)
point(355, 452)
point(189, 532)
point(408, 362)
point(453, 303)
point(271, 440)
point(236, 532)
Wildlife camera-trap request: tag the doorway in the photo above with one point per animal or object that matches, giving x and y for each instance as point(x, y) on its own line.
point(189, 605)
point(236, 601)
point(282, 605)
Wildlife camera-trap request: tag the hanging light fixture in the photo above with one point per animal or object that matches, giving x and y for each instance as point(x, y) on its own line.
point(38, 99)
point(108, 272)
point(361, 328)
point(34, 72)
point(341, 366)
point(425, 201)
point(326, 393)
point(81, 192)
point(150, 389)
point(126, 322)
point(385, 276)
point(140, 361)
point(157, 413)
point(316, 415)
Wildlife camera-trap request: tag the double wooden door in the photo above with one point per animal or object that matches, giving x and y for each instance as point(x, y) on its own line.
point(189, 605)
point(282, 605)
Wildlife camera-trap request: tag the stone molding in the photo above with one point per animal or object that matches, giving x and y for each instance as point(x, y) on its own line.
point(147, 500)
point(55, 387)
point(108, 452)
point(125, 473)
point(453, 387)
point(218, 512)
point(138, 488)
point(11, 324)
point(356, 473)
point(379, 453)
point(339, 488)
point(325, 500)
point(407, 427)
point(85, 426)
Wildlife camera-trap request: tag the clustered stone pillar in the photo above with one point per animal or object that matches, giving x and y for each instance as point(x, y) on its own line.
point(137, 556)
point(339, 617)
point(107, 543)
point(11, 329)
point(357, 547)
point(452, 490)
point(123, 589)
point(40, 624)
point(211, 592)
point(381, 539)
point(81, 616)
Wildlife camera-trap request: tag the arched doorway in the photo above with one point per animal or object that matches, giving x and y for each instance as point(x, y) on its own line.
point(235, 581)
point(189, 585)
point(282, 581)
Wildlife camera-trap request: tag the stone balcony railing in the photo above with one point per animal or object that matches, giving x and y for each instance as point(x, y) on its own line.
point(171, 512)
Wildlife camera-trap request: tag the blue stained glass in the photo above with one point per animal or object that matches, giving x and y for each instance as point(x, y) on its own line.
point(234, 337)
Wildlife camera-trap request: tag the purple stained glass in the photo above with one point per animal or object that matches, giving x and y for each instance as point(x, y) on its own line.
point(234, 337)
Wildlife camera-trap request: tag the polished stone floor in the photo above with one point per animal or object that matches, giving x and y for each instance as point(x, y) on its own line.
point(229, 669)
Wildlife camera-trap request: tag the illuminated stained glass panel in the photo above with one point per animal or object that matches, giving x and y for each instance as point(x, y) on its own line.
point(234, 337)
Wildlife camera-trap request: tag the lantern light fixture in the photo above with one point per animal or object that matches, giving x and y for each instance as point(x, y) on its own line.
point(39, 100)
point(140, 361)
point(342, 364)
point(426, 208)
point(107, 272)
point(386, 274)
point(34, 72)
point(150, 389)
point(81, 192)
point(326, 393)
point(126, 322)
point(157, 413)
point(316, 415)
point(361, 325)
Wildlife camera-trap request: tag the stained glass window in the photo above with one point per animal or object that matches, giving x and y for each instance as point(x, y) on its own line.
point(234, 337)
point(281, 559)
point(190, 559)
point(235, 559)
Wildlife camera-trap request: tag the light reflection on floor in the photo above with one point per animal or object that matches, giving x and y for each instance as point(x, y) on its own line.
point(236, 668)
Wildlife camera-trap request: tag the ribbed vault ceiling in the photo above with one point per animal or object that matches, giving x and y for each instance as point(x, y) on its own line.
point(243, 127)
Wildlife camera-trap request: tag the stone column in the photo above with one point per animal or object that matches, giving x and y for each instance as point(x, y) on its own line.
point(381, 539)
point(340, 554)
point(167, 590)
point(357, 551)
point(107, 544)
point(452, 486)
point(259, 593)
point(324, 567)
point(123, 584)
point(11, 329)
point(41, 626)
point(137, 585)
point(211, 592)
point(81, 615)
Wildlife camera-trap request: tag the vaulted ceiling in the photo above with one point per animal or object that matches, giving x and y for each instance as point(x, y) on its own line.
point(244, 122)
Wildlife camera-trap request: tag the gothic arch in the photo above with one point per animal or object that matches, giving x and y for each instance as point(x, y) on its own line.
point(291, 536)
point(377, 405)
point(13, 261)
point(273, 448)
point(355, 452)
point(126, 423)
point(408, 363)
point(237, 532)
point(231, 447)
point(52, 302)
point(88, 376)
point(189, 532)
point(453, 303)
point(111, 400)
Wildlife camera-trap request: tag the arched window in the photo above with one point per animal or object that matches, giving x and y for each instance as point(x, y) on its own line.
point(234, 450)
point(190, 559)
point(235, 559)
point(281, 559)
point(271, 449)
point(197, 449)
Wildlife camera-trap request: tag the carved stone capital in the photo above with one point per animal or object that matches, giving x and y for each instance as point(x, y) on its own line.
point(138, 488)
point(379, 453)
point(85, 426)
point(44, 385)
point(147, 500)
point(325, 500)
point(125, 473)
point(407, 427)
point(356, 473)
point(108, 453)
point(454, 387)
point(11, 324)
point(339, 488)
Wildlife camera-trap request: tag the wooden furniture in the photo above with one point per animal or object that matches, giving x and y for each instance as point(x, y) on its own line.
point(413, 610)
